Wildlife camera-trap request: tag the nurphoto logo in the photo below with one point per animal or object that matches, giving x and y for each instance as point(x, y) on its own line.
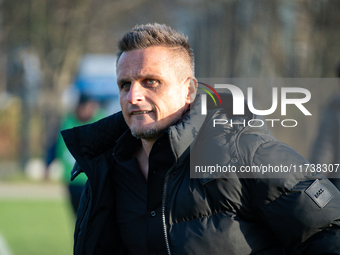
point(239, 104)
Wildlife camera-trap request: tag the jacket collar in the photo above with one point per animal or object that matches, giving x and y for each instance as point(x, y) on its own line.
point(182, 135)
point(88, 141)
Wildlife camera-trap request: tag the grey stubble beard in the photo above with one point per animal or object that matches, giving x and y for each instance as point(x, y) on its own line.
point(149, 134)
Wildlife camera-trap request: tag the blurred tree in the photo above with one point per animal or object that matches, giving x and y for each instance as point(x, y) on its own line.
point(231, 38)
point(265, 38)
point(61, 32)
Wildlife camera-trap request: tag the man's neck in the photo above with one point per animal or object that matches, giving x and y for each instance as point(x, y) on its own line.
point(147, 146)
point(142, 155)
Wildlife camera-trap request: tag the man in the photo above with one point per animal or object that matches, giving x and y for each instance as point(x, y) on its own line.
point(140, 198)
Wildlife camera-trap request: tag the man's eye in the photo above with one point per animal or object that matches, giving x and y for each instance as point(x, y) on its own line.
point(126, 86)
point(151, 82)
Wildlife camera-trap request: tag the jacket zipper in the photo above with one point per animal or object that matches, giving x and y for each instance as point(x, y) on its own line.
point(81, 219)
point(163, 214)
point(163, 208)
point(164, 196)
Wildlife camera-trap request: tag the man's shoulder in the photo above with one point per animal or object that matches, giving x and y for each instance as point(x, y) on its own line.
point(255, 139)
point(92, 139)
point(264, 147)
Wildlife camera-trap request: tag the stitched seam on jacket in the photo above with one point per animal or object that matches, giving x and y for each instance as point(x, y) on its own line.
point(205, 216)
point(252, 163)
point(258, 147)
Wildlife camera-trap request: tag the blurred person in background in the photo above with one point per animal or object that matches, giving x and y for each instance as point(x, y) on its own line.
point(86, 111)
point(326, 149)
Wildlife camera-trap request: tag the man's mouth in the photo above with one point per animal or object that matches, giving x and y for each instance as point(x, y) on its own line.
point(140, 112)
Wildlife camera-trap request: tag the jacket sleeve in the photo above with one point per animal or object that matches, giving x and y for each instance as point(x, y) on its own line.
point(96, 235)
point(302, 209)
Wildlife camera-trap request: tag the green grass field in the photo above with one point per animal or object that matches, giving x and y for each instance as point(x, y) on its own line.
point(37, 227)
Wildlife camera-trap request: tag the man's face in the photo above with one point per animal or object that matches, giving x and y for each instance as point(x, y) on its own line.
point(151, 94)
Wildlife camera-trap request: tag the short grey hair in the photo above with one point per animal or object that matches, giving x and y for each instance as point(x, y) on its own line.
point(143, 36)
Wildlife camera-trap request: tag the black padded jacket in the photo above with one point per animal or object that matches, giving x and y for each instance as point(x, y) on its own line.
point(292, 213)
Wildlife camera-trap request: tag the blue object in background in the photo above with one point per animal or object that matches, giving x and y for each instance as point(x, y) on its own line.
point(97, 77)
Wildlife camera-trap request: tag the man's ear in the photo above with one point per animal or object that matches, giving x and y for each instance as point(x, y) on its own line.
point(192, 90)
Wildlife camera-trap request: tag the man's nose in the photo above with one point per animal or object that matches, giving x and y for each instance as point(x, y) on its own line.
point(135, 94)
